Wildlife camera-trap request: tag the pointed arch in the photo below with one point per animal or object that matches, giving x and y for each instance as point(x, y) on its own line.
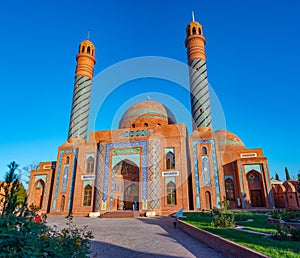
point(90, 164)
point(170, 160)
point(171, 193)
point(62, 204)
point(229, 188)
point(87, 195)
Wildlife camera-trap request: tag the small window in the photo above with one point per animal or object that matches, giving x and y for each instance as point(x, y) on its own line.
point(68, 160)
point(199, 30)
point(170, 160)
point(133, 125)
point(171, 193)
point(88, 49)
point(87, 198)
point(65, 178)
point(204, 150)
point(146, 124)
point(83, 49)
point(158, 124)
point(194, 31)
point(90, 165)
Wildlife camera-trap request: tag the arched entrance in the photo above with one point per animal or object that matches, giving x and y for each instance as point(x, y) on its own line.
point(126, 186)
point(255, 188)
point(131, 197)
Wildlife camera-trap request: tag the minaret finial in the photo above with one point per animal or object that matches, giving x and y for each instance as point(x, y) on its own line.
point(193, 16)
point(88, 34)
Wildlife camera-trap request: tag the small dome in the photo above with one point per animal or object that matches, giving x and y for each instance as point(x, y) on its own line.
point(228, 139)
point(146, 114)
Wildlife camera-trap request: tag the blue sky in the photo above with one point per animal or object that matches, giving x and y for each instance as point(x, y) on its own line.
point(252, 54)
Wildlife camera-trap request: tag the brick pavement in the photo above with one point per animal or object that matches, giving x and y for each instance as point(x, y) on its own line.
point(142, 237)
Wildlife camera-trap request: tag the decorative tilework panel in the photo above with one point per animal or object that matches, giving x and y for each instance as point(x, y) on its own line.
point(99, 176)
point(154, 178)
point(196, 172)
point(205, 171)
point(243, 187)
point(249, 167)
point(58, 174)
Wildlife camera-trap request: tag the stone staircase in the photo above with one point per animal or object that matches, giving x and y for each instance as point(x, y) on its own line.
point(123, 214)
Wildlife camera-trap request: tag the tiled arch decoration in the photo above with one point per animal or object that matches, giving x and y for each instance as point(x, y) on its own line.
point(196, 172)
point(144, 146)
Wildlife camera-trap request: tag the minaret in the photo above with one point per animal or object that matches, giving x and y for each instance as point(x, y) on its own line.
point(85, 58)
point(200, 103)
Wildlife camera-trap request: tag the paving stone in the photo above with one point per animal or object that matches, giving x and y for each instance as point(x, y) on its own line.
point(139, 237)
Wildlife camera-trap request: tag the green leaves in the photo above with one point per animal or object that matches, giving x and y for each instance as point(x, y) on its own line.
point(21, 236)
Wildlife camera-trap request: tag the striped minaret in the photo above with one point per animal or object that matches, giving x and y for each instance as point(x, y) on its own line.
point(200, 103)
point(85, 58)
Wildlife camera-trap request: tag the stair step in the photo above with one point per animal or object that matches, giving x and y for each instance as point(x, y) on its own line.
point(122, 214)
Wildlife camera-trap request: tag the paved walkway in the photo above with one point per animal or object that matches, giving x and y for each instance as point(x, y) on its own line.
point(142, 237)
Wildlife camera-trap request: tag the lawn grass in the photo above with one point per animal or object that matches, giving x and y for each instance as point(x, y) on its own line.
point(268, 246)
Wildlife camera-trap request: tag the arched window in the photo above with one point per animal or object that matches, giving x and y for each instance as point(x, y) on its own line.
point(199, 30)
point(170, 160)
point(65, 179)
point(67, 160)
point(146, 124)
point(83, 49)
point(229, 189)
point(208, 200)
point(171, 193)
point(62, 204)
point(90, 165)
point(88, 50)
point(133, 125)
point(87, 197)
point(204, 150)
point(194, 31)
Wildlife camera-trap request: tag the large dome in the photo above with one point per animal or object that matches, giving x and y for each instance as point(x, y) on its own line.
point(228, 139)
point(146, 114)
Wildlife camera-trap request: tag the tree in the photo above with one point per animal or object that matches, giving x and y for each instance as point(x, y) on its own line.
point(277, 177)
point(287, 175)
point(25, 172)
point(14, 192)
point(298, 183)
point(22, 235)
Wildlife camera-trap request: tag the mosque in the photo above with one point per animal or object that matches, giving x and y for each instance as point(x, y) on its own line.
point(150, 163)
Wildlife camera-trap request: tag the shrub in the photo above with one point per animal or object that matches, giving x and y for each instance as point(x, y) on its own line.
point(294, 233)
point(22, 236)
point(223, 221)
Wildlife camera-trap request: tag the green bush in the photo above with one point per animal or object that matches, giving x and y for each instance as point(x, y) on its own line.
point(223, 221)
point(286, 215)
point(22, 236)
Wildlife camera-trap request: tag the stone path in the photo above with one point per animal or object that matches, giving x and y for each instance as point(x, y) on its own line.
point(142, 237)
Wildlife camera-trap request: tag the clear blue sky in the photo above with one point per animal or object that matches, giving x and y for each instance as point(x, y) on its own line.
point(253, 64)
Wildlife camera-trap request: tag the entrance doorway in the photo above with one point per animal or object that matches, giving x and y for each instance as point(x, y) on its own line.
point(256, 189)
point(131, 197)
point(256, 198)
point(208, 200)
point(126, 186)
